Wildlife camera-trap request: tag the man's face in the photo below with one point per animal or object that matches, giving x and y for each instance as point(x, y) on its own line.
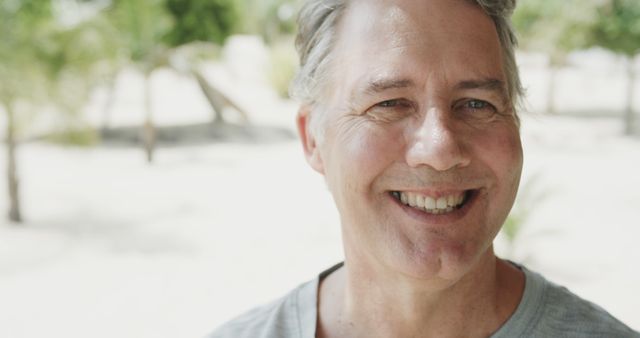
point(421, 149)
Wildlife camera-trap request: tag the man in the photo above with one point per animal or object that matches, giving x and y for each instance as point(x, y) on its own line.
point(408, 110)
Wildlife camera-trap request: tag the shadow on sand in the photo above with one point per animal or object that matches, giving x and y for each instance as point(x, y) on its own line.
point(197, 134)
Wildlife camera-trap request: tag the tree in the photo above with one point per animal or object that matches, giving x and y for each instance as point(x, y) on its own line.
point(166, 33)
point(16, 19)
point(269, 18)
point(141, 26)
point(617, 28)
point(202, 20)
point(200, 26)
point(555, 28)
point(43, 64)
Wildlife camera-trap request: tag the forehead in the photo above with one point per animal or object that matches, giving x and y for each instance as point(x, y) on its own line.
point(450, 40)
point(409, 19)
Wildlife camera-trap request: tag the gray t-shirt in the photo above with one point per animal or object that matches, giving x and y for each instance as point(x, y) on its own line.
point(546, 310)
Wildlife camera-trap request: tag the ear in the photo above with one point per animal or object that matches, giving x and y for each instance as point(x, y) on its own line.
point(308, 139)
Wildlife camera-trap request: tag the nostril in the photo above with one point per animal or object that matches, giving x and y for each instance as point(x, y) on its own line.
point(437, 159)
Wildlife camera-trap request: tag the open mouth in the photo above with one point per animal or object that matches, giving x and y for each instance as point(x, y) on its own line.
point(436, 206)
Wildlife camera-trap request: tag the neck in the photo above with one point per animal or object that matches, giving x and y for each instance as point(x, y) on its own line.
point(355, 302)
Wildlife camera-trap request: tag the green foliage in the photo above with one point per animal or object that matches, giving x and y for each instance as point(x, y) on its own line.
point(202, 20)
point(44, 63)
point(141, 27)
point(76, 61)
point(269, 18)
point(617, 27)
point(552, 26)
point(513, 225)
point(283, 66)
point(561, 26)
point(75, 136)
point(24, 24)
point(45, 66)
point(529, 198)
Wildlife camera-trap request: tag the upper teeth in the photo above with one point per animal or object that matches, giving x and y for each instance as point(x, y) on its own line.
point(429, 204)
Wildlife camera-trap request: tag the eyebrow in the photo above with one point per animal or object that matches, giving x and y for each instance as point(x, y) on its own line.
point(490, 84)
point(493, 85)
point(378, 86)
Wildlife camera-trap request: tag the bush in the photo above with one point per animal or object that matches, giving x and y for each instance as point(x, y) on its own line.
point(283, 66)
point(75, 136)
point(202, 20)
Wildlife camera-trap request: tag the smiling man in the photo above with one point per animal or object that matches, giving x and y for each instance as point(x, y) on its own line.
point(408, 111)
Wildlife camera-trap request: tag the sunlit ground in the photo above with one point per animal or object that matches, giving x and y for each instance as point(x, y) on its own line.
point(113, 247)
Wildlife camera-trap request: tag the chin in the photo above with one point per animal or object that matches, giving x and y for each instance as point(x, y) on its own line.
point(437, 260)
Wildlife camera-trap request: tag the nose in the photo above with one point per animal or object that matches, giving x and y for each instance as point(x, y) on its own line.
point(436, 143)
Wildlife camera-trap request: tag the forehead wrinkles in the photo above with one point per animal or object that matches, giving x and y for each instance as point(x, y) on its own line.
point(393, 27)
point(382, 21)
point(366, 29)
point(441, 40)
point(398, 21)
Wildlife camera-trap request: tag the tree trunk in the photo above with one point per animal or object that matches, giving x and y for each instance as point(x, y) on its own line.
point(108, 105)
point(217, 100)
point(551, 87)
point(12, 170)
point(149, 132)
point(629, 117)
point(216, 105)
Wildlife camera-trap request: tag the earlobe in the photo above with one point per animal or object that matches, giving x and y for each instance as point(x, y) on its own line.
point(308, 139)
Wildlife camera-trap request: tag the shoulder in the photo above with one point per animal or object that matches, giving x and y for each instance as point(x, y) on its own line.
point(563, 313)
point(285, 317)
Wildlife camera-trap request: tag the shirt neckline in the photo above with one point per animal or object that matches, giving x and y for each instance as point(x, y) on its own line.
point(527, 311)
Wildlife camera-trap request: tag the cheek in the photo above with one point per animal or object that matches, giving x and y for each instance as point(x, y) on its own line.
point(361, 153)
point(375, 147)
point(513, 157)
point(503, 154)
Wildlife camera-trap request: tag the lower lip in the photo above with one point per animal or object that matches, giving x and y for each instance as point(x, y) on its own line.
point(439, 219)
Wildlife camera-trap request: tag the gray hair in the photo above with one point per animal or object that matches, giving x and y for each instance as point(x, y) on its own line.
point(317, 25)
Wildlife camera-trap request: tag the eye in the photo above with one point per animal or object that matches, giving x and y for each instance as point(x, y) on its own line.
point(391, 110)
point(475, 108)
point(477, 104)
point(392, 103)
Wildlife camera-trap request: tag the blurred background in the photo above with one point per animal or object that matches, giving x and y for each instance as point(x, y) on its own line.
point(153, 184)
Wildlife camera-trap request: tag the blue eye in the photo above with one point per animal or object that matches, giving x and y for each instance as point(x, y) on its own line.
point(395, 103)
point(475, 109)
point(389, 103)
point(391, 110)
point(477, 104)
